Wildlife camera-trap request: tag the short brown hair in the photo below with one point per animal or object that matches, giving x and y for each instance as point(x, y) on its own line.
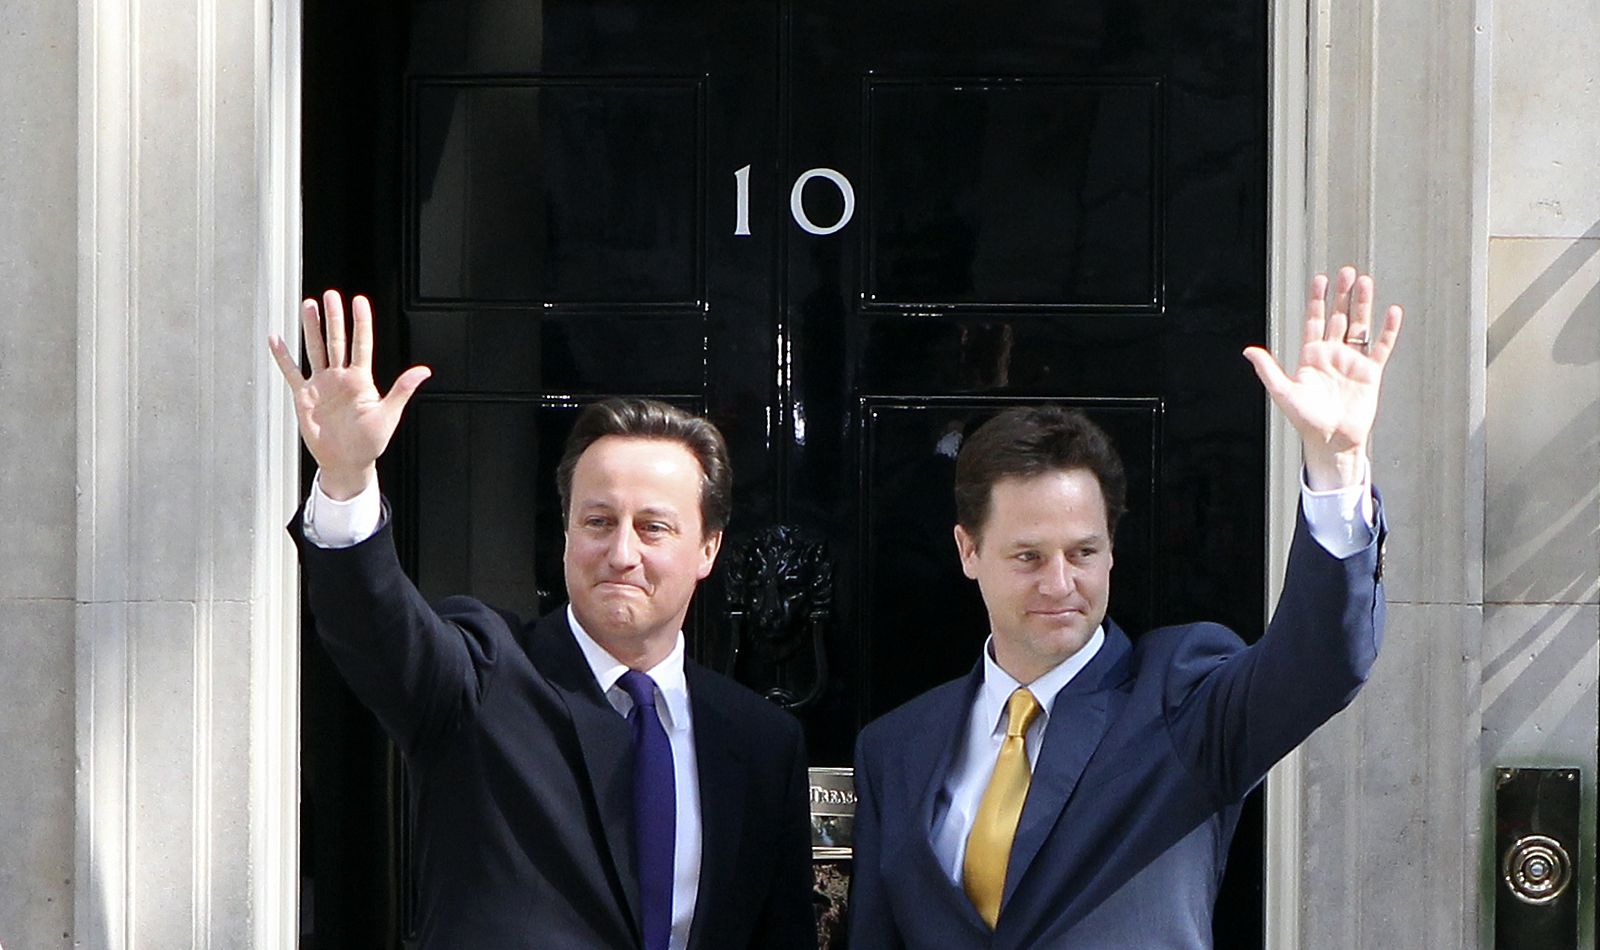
point(1033, 440)
point(635, 418)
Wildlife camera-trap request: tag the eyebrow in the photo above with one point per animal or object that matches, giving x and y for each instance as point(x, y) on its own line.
point(658, 512)
point(649, 511)
point(1030, 542)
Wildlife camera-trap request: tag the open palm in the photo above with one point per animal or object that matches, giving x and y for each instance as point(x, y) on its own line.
point(344, 421)
point(1331, 398)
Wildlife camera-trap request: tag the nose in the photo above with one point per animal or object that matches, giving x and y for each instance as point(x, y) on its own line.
point(1058, 577)
point(623, 552)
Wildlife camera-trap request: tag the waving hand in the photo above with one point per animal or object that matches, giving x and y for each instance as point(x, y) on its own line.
point(1331, 398)
point(344, 422)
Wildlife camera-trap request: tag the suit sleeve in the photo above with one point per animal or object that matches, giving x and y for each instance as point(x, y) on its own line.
point(788, 921)
point(872, 924)
point(420, 673)
point(1235, 711)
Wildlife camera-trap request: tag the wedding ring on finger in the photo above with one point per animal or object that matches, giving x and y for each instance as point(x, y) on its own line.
point(1359, 339)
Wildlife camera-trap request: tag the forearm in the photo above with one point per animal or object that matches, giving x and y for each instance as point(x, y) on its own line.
point(1320, 645)
point(415, 670)
point(1237, 717)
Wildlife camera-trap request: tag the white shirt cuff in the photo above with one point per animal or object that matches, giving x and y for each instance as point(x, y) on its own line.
point(1340, 519)
point(342, 524)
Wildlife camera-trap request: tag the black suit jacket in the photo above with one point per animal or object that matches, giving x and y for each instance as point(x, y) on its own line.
point(521, 772)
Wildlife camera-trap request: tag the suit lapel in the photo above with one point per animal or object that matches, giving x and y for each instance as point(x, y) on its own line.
point(927, 767)
point(723, 777)
point(1078, 721)
point(928, 764)
point(606, 744)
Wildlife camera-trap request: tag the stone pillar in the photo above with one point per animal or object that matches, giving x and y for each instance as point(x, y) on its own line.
point(1375, 827)
point(185, 647)
point(38, 200)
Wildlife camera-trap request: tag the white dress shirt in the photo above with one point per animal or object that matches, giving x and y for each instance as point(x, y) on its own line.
point(1340, 520)
point(957, 805)
point(672, 702)
point(342, 524)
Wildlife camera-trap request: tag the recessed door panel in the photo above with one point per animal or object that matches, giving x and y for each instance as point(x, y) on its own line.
point(542, 193)
point(990, 193)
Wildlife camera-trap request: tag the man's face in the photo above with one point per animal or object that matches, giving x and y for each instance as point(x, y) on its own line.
point(635, 549)
point(1043, 564)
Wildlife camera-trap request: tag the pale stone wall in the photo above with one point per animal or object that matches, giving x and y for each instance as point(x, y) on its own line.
point(38, 450)
point(1541, 645)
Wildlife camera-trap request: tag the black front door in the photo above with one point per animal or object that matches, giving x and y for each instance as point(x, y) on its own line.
point(847, 231)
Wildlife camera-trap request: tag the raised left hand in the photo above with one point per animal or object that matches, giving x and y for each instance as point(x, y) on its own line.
point(1331, 398)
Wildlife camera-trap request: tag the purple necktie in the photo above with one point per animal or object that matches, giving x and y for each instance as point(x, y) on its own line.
point(654, 809)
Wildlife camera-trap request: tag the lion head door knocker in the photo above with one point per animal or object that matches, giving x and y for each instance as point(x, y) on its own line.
point(780, 599)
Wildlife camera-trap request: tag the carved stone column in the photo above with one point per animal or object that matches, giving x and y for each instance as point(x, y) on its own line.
point(1380, 158)
point(186, 653)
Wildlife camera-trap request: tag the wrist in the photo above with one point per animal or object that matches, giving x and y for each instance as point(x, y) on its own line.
point(1334, 470)
point(343, 485)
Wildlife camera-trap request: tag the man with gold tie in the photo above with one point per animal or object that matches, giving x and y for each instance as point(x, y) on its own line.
point(1079, 789)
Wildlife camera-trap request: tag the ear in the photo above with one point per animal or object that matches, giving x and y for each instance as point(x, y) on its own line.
point(967, 548)
point(708, 554)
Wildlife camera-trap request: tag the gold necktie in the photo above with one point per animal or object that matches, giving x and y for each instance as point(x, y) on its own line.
point(989, 845)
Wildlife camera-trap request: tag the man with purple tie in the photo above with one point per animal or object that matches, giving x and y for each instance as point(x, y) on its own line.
point(578, 782)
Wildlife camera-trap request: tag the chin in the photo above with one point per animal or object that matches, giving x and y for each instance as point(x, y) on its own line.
point(613, 619)
point(1065, 643)
point(621, 618)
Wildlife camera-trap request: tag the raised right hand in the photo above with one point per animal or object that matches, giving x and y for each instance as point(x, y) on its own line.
point(345, 423)
point(1331, 398)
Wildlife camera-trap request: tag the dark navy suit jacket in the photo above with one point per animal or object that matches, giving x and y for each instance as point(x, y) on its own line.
point(1147, 755)
point(521, 773)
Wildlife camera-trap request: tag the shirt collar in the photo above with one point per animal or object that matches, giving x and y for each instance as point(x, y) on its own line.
point(998, 685)
point(668, 675)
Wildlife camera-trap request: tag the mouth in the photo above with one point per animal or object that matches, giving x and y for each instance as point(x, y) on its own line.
point(619, 587)
point(1056, 612)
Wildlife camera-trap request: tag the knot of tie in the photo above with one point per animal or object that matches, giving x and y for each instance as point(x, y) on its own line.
point(1021, 709)
point(639, 687)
